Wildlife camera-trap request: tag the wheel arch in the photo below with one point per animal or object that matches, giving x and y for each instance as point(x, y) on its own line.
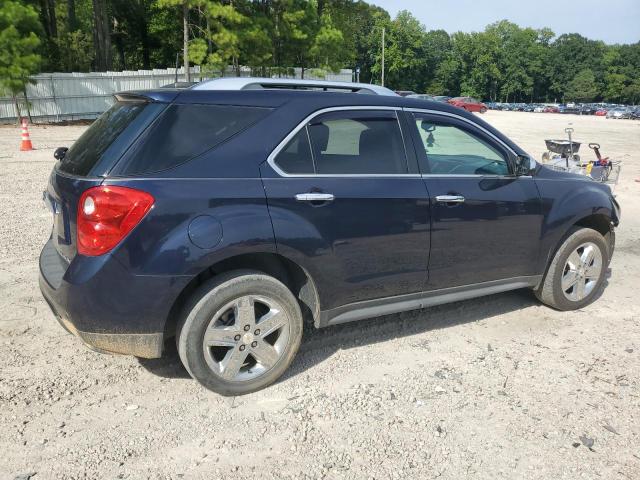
point(600, 222)
point(294, 276)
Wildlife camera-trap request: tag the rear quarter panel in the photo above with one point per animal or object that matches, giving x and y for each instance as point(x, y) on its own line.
point(161, 245)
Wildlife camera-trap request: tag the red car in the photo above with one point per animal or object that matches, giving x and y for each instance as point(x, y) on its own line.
point(551, 109)
point(601, 112)
point(469, 104)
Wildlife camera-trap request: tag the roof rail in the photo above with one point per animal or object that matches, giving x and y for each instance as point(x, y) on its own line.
point(253, 83)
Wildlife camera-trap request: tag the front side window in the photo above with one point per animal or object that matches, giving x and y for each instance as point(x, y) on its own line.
point(347, 143)
point(451, 150)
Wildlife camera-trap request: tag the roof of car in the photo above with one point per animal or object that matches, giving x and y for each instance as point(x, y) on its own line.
point(275, 98)
point(300, 103)
point(256, 83)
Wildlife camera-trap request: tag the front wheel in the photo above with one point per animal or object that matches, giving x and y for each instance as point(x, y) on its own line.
point(576, 274)
point(483, 110)
point(239, 332)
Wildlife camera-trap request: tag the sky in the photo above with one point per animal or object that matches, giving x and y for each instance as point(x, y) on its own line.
point(613, 21)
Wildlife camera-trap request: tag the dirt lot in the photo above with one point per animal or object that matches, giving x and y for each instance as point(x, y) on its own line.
point(498, 387)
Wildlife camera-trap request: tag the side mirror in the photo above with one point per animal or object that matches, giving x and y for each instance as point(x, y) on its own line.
point(426, 126)
point(60, 152)
point(524, 165)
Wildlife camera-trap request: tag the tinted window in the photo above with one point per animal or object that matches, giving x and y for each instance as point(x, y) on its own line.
point(357, 142)
point(453, 151)
point(296, 156)
point(183, 132)
point(95, 141)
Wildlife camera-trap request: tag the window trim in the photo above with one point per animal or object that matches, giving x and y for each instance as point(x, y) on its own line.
point(271, 159)
point(272, 156)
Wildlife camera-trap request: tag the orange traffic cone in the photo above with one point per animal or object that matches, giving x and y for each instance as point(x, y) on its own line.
point(26, 141)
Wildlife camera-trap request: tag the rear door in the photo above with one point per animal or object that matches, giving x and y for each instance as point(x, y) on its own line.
point(348, 204)
point(486, 222)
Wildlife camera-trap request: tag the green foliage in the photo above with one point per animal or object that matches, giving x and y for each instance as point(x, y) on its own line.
point(582, 87)
point(503, 63)
point(19, 41)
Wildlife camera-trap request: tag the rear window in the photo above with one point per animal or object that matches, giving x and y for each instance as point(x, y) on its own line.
point(183, 132)
point(94, 142)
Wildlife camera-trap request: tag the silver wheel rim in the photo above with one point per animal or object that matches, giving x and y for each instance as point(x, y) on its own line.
point(581, 272)
point(246, 338)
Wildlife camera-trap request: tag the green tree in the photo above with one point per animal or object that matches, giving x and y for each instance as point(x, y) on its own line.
point(185, 9)
point(220, 42)
point(582, 87)
point(328, 46)
point(19, 29)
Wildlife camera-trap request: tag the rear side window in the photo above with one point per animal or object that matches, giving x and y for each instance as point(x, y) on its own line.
point(350, 142)
point(296, 158)
point(184, 132)
point(96, 140)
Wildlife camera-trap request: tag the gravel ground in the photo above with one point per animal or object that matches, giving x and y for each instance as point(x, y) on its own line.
point(498, 387)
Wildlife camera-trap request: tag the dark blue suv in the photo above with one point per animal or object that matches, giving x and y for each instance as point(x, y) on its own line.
point(230, 219)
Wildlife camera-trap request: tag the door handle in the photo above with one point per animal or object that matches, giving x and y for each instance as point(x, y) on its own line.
point(450, 199)
point(314, 197)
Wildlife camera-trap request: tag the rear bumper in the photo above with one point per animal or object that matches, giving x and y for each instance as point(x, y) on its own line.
point(109, 309)
point(143, 345)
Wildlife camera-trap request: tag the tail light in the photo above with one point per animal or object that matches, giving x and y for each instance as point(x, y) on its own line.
point(106, 215)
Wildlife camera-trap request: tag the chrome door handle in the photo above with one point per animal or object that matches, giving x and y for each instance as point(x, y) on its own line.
point(450, 199)
point(314, 197)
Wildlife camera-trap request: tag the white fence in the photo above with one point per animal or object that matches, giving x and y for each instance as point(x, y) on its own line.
point(55, 97)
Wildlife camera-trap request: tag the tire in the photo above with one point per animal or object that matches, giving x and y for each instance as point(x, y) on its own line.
point(566, 267)
point(483, 110)
point(221, 309)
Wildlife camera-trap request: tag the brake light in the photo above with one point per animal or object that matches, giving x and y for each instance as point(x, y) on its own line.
point(106, 215)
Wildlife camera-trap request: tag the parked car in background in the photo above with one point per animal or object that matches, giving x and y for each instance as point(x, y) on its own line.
point(619, 113)
point(635, 113)
point(469, 104)
point(441, 98)
point(421, 96)
point(571, 108)
point(539, 108)
point(551, 109)
point(231, 220)
point(405, 93)
point(601, 112)
point(588, 109)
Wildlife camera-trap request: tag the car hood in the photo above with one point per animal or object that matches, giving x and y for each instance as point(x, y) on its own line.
point(546, 172)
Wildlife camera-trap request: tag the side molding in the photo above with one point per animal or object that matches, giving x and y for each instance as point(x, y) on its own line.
point(414, 301)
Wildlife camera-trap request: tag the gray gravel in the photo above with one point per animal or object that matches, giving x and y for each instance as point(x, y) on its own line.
point(499, 387)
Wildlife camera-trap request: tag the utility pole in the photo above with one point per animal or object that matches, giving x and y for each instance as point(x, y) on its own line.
point(383, 56)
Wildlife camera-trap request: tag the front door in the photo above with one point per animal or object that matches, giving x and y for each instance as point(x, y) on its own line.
point(486, 222)
point(347, 206)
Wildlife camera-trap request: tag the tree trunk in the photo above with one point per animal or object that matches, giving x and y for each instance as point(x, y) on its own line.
point(52, 18)
point(72, 19)
point(18, 114)
point(144, 40)
point(101, 36)
point(185, 33)
point(26, 103)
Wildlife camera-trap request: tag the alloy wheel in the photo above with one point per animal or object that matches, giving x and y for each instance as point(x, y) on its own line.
point(246, 338)
point(581, 272)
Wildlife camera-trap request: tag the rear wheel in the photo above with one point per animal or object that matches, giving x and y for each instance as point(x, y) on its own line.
point(483, 110)
point(240, 332)
point(576, 274)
